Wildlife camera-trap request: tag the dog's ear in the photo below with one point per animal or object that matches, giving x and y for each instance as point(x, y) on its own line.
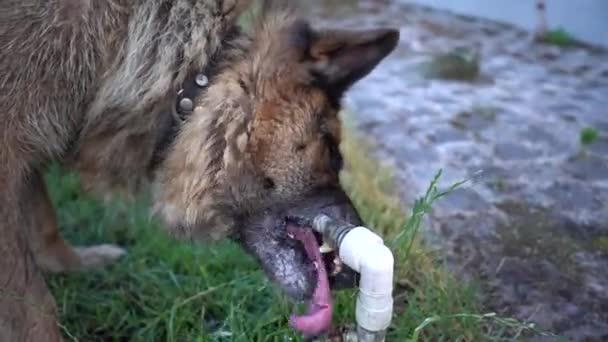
point(342, 57)
point(333, 59)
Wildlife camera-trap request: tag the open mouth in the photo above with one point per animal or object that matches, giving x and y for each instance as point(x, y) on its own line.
point(296, 258)
point(325, 260)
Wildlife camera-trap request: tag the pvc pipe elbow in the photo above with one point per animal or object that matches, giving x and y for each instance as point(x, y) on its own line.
point(355, 247)
point(365, 252)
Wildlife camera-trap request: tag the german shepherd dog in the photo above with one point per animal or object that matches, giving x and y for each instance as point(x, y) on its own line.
point(237, 132)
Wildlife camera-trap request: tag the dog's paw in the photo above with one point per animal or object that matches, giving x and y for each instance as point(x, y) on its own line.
point(99, 256)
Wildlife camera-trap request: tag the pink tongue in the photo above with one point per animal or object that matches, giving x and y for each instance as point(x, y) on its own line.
point(319, 314)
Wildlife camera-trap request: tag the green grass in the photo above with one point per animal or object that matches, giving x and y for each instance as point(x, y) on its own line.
point(559, 37)
point(166, 290)
point(458, 64)
point(589, 135)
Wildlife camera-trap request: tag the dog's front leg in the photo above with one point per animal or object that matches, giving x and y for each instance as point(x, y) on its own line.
point(50, 250)
point(27, 309)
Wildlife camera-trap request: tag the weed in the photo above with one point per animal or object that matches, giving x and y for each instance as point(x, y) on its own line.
point(559, 37)
point(458, 64)
point(600, 244)
point(589, 135)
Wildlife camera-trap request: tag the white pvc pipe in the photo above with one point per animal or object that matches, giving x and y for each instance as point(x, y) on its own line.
point(365, 252)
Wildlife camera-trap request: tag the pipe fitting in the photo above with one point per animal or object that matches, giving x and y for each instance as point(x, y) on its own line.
point(332, 229)
point(365, 252)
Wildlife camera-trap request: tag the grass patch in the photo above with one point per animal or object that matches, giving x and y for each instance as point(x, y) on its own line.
point(589, 135)
point(459, 64)
point(600, 244)
point(166, 290)
point(559, 37)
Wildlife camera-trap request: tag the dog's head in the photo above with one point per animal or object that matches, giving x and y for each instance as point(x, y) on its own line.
point(262, 144)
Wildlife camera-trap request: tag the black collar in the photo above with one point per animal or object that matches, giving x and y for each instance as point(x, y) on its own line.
point(194, 86)
point(192, 89)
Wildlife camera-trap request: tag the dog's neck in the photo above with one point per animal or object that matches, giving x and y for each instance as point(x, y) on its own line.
point(194, 87)
point(182, 106)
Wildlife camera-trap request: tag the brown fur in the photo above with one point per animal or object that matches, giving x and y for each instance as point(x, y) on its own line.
point(89, 83)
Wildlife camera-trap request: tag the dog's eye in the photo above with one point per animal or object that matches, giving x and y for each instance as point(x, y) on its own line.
point(268, 183)
point(300, 147)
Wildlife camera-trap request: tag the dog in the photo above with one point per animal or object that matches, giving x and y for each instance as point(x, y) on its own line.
point(236, 131)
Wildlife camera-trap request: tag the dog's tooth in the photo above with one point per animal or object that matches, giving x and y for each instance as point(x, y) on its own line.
point(325, 247)
point(337, 266)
